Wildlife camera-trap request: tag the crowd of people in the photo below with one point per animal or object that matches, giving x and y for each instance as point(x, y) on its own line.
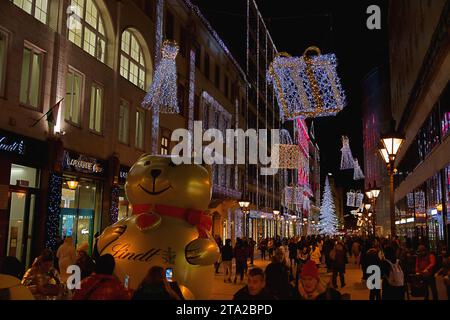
point(292, 274)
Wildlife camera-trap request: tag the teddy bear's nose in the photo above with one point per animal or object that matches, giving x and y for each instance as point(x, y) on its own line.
point(155, 173)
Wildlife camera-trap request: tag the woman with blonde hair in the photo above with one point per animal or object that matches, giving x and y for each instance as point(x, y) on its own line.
point(67, 256)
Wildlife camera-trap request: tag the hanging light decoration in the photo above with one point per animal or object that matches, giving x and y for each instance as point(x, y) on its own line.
point(351, 197)
point(286, 154)
point(162, 93)
point(359, 197)
point(357, 173)
point(307, 86)
point(347, 161)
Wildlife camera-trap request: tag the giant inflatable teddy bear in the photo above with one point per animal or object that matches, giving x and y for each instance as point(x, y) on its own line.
point(168, 227)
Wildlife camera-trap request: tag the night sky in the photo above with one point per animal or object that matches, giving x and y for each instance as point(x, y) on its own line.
point(334, 26)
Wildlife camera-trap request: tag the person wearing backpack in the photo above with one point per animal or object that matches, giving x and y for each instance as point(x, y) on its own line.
point(393, 284)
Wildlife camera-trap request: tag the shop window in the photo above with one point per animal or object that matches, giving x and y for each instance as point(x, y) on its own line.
point(24, 176)
point(86, 28)
point(198, 54)
point(30, 83)
point(81, 210)
point(3, 51)
point(36, 8)
point(95, 114)
point(139, 134)
point(132, 64)
point(74, 89)
point(124, 206)
point(164, 146)
point(445, 113)
point(226, 86)
point(183, 41)
point(124, 121)
point(217, 77)
point(181, 98)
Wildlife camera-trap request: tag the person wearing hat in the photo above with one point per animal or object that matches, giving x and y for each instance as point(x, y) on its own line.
point(310, 287)
point(425, 264)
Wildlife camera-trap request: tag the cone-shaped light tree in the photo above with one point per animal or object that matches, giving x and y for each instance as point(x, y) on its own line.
point(328, 219)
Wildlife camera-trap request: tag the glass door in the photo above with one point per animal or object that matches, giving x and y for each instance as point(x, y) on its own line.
point(21, 219)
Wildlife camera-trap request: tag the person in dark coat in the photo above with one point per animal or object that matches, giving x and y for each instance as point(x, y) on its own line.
point(227, 260)
point(240, 255)
point(263, 248)
point(155, 287)
point(277, 277)
point(390, 292)
point(255, 288)
point(372, 259)
point(338, 257)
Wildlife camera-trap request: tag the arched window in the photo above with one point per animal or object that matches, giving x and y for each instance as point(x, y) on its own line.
point(36, 8)
point(86, 28)
point(132, 64)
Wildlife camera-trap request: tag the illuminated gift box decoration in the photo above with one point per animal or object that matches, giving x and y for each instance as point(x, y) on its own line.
point(286, 154)
point(351, 197)
point(307, 86)
point(163, 90)
point(359, 198)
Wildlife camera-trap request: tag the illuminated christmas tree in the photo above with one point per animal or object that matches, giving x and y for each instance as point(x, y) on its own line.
point(328, 219)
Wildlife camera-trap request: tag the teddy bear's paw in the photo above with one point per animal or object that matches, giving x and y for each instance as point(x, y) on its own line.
point(202, 252)
point(109, 235)
point(147, 221)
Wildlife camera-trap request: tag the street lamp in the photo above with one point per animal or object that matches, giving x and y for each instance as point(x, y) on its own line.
point(244, 205)
point(389, 146)
point(372, 194)
point(276, 214)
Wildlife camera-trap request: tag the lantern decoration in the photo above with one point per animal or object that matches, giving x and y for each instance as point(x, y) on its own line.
point(286, 154)
point(359, 198)
point(347, 161)
point(306, 86)
point(351, 197)
point(163, 90)
point(357, 173)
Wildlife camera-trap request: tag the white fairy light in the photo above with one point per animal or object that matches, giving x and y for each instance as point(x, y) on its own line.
point(162, 93)
point(357, 173)
point(191, 94)
point(347, 161)
point(307, 86)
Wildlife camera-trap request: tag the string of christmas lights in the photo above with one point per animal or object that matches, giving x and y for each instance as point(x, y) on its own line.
point(191, 94)
point(54, 211)
point(114, 209)
point(357, 173)
point(347, 161)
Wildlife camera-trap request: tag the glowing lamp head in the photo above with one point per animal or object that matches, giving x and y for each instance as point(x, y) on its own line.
point(72, 184)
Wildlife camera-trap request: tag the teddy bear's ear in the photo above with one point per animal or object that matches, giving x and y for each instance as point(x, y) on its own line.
point(143, 155)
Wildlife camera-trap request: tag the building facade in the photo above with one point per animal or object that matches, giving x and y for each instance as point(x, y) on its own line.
point(419, 83)
point(73, 74)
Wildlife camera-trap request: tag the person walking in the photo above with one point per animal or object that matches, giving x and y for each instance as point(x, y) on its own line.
point(425, 265)
point(270, 246)
point(240, 256)
point(227, 260)
point(102, 284)
point(277, 276)
point(219, 244)
point(263, 248)
point(393, 284)
point(292, 248)
point(84, 261)
point(155, 286)
point(372, 259)
point(251, 250)
point(356, 251)
point(67, 256)
point(338, 257)
point(315, 254)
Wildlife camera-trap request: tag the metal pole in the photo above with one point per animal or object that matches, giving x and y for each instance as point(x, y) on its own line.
point(374, 221)
point(391, 198)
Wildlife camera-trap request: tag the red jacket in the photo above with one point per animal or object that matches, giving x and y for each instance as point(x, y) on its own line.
point(425, 263)
point(101, 287)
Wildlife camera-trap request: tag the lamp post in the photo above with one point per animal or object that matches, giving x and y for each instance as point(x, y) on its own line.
point(389, 146)
point(367, 206)
point(244, 205)
point(276, 214)
point(372, 194)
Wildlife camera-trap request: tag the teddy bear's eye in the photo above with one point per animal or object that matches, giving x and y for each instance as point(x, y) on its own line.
point(147, 163)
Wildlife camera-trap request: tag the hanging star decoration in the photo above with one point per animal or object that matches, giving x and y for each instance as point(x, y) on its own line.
point(162, 93)
point(347, 161)
point(306, 86)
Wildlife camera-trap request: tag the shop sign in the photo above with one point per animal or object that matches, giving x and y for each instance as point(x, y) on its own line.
point(123, 172)
point(80, 163)
point(12, 144)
